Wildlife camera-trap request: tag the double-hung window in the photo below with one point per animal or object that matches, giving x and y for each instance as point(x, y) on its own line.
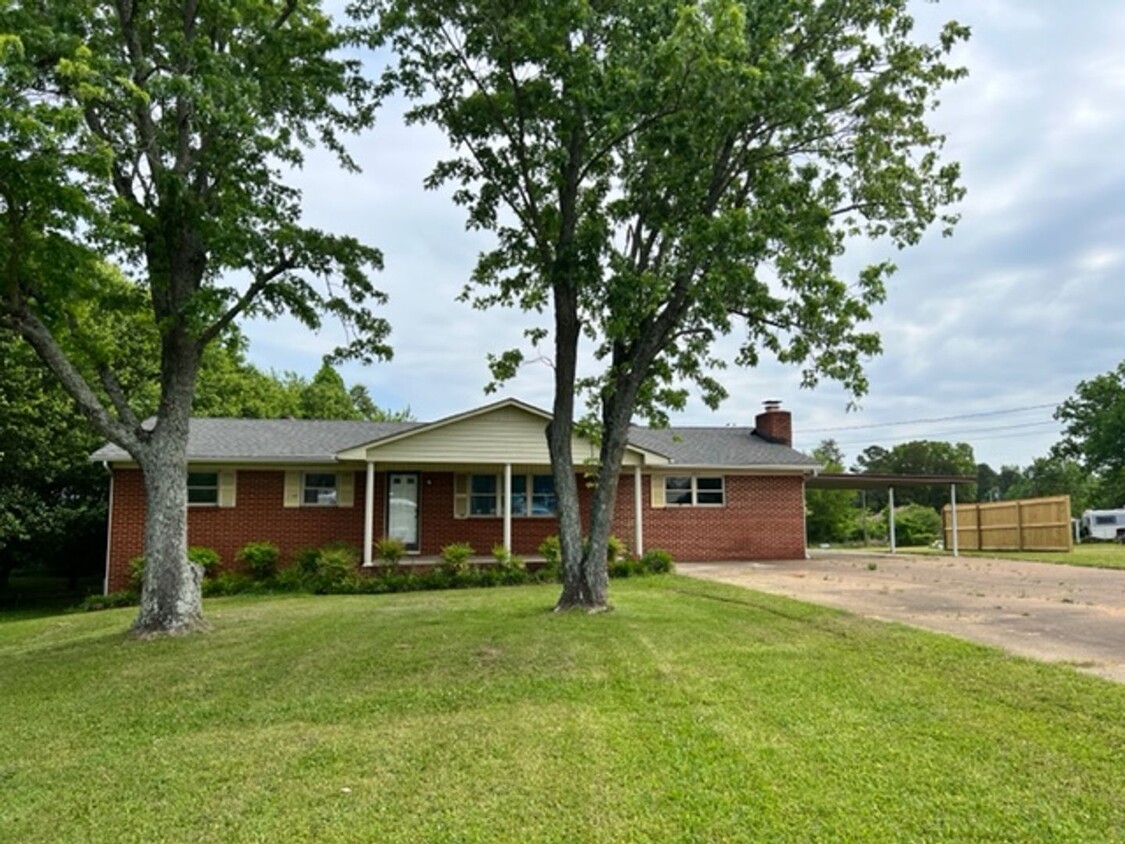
point(203, 487)
point(694, 491)
point(534, 495)
point(319, 488)
point(484, 499)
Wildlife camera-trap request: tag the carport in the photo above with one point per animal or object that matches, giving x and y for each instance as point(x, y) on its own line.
point(887, 481)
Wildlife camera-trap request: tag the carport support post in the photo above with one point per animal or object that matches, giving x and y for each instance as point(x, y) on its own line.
point(891, 515)
point(369, 514)
point(953, 516)
point(863, 504)
point(508, 507)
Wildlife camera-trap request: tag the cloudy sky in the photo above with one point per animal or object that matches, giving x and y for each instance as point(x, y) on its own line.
point(984, 332)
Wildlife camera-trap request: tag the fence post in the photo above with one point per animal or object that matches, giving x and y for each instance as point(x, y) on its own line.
point(953, 516)
point(1019, 525)
point(980, 529)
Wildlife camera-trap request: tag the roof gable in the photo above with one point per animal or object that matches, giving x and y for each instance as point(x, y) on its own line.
point(508, 431)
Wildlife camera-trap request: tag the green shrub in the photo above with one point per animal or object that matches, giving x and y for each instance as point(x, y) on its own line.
point(656, 561)
point(510, 568)
point(390, 550)
point(136, 572)
point(336, 569)
point(292, 579)
point(207, 559)
point(615, 550)
point(551, 551)
point(231, 583)
point(391, 580)
point(124, 598)
point(625, 568)
point(916, 524)
point(455, 557)
point(260, 559)
point(876, 524)
point(304, 560)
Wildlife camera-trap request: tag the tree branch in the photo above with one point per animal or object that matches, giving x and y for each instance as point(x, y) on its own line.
point(32, 329)
point(244, 301)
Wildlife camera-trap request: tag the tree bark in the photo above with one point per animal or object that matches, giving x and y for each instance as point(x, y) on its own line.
point(576, 591)
point(171, 597)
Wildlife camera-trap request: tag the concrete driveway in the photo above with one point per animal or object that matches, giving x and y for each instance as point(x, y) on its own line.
point(1051, 612)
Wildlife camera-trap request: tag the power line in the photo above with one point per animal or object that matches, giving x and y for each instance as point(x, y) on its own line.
point(927, 421)
point(969, 434)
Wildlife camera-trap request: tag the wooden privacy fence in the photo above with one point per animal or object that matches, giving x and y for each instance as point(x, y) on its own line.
point(1029, 524)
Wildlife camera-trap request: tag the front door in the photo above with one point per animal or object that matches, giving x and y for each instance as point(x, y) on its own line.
point(402, 508)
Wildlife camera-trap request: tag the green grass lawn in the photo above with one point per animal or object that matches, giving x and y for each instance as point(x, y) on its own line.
point(1102, 555)
point(695, 712)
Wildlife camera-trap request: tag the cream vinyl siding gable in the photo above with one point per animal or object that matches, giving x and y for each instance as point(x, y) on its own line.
point(504, 435)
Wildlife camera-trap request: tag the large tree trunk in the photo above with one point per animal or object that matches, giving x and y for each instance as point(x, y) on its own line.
point(617, 411)
point(171, 597)
point(577, 591)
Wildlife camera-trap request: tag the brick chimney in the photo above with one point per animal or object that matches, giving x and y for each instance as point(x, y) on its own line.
point(774, 424)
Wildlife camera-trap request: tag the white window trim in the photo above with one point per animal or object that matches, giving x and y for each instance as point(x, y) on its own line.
point(695, 491)
point(499, 505)
point(498, 496)
point(335, 487)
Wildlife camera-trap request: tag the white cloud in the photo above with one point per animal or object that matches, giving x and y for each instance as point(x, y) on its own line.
point(1010, 312)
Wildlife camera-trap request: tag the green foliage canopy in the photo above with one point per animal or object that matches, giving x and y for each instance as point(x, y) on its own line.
point(829, 513)
point(1094, 430)
point(159, 136)
point(661, 174)
point(921, 457)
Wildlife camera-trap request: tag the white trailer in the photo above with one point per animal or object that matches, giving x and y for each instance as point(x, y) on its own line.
point(1104, 524)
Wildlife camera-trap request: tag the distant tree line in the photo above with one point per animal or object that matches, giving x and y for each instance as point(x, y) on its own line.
point(1088, 464)
point(53, 499)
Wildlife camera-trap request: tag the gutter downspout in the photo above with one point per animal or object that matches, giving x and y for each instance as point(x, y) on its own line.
point(108, 529)
point(638, 513)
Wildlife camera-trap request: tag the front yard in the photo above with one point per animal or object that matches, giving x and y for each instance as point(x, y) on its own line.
point(694, 712)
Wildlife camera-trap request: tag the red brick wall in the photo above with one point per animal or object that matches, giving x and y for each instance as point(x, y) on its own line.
point(763, 519)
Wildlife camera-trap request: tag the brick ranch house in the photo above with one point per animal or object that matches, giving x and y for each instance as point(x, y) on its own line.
point(482, 477)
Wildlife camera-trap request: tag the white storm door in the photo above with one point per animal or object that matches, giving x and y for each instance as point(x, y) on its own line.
point(402, 508)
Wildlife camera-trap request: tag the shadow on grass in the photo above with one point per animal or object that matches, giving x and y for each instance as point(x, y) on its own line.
point(36, 596)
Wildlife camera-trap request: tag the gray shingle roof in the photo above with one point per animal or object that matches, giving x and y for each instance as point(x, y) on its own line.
point(318, 441)
point(282, 440)
point(687, 446)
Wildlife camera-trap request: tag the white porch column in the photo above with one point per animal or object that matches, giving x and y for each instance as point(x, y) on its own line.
point(508, 507)
point(369, 514)
point(638, 513)
point(891, 515)
point(953, 517)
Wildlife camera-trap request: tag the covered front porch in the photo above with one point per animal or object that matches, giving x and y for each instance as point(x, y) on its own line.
point(427, 506)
